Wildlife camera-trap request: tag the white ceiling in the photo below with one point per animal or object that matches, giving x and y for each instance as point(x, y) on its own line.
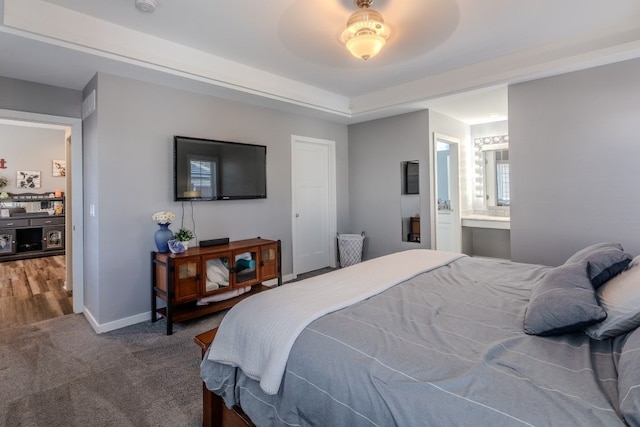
point(455, 56)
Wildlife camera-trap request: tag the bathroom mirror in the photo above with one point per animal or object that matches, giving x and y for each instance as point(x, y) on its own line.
point(443, 176)
point(410, 200)
point(496, 175)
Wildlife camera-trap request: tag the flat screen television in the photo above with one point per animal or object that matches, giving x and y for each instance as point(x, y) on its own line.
point(206, 169)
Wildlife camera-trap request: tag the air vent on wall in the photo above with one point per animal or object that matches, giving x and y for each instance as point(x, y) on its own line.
point(89, 104)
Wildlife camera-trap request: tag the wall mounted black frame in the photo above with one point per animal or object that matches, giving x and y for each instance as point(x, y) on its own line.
point(411, 171)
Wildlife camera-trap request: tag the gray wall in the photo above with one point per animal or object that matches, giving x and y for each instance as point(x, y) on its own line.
point(376, 149)
point(128, 176)
point(90, 174)
point(32, 97)
point(574, 160)
point(486, 242)
point(34, 149)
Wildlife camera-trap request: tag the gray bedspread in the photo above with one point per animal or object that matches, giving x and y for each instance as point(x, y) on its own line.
point(446, 348)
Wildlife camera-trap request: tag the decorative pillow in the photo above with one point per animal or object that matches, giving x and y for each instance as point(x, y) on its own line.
point(606, 260)
point(605, 264)
point(582, 253)
point(562, 301)
point(629, 379)
point(620, 298)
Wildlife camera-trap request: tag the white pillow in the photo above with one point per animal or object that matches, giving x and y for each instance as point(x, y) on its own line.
point(620, 298)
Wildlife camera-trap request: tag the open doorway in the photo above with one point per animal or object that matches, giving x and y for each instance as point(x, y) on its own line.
point(70, 235)
point(445, 176)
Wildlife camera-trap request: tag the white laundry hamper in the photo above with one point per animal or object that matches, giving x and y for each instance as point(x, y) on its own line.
point(350, 248)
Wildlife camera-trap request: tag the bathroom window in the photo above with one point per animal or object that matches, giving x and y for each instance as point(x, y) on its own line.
point(502, 180)
point(496, 175)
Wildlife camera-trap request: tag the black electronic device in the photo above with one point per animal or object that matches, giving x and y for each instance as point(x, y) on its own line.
point(214, 242)
point(206, 169)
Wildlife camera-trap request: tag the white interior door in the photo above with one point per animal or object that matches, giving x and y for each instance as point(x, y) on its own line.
point(314, 215)
point(446, 193)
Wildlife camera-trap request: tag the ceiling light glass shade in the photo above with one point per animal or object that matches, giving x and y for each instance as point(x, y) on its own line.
point(365, 46)
point(365, 34)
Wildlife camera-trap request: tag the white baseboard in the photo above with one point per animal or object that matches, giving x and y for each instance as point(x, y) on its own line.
point(144, 317)
point(116, 324)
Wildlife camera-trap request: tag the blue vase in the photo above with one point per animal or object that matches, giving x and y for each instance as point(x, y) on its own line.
point(162, 236)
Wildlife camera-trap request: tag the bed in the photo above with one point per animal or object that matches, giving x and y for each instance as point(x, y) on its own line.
point(453, 341)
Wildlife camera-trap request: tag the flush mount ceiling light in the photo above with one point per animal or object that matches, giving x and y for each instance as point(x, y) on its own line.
point(147, 6)
point(366, 33)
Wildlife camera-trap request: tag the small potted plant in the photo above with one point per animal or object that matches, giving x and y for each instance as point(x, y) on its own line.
point(184, 235)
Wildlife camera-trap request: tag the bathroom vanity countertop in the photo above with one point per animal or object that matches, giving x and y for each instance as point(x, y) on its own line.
point(487, 221)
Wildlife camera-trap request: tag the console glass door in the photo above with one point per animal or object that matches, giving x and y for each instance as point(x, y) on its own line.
point(7, 242)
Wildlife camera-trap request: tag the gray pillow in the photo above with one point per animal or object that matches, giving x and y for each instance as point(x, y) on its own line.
point(562, 301)
point(629, 378)
point(582, 253)
point(606, 261)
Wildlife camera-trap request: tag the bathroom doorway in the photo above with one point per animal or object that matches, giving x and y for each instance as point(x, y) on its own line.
point(444, 155)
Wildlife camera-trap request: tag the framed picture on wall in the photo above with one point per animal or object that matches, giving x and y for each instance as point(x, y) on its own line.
point(28, 179)
point(59, 168)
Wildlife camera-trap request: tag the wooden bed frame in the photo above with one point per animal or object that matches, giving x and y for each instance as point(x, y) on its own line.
point(214, 412)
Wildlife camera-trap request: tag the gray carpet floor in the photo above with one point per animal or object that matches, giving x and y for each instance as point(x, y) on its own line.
point(59, 372)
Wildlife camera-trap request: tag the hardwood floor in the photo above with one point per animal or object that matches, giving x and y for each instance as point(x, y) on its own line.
point(32, 290)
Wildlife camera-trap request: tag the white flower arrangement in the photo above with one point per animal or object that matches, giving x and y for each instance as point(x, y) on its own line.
point(163, 217)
